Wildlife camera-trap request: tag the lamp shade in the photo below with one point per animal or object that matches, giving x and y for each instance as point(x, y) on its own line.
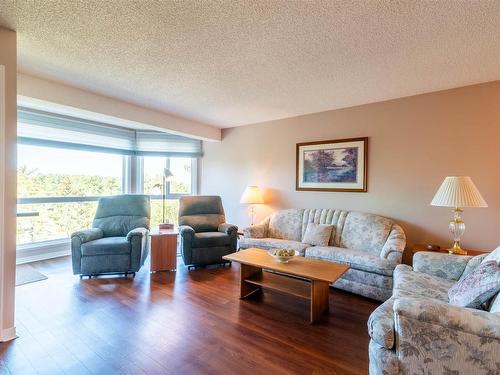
point(252, 195)
point(458, 192)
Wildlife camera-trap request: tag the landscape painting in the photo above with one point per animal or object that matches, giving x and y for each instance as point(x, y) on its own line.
point(332, 165)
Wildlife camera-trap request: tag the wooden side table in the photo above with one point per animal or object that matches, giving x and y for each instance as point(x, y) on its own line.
point(410, 252)
point(163, 250)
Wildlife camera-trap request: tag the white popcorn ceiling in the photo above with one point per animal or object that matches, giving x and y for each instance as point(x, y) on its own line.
point(230, 63)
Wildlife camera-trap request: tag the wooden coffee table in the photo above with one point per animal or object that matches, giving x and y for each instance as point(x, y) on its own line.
point(301, 277)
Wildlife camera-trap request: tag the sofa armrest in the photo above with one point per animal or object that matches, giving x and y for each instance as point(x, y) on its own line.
point(476, 322)
point(258, 230)
point(141, 232)
point(433, 337)
point(446, 266)
point(395, 245)
point(381, 324)
point(229, 229)
point(88, 235)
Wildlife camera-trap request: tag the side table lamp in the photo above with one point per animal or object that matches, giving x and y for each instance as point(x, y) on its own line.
point(458, 192)
point(252, 196)
point(166, 178)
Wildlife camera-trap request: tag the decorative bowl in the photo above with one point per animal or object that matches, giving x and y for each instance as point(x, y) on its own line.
point(282, 255)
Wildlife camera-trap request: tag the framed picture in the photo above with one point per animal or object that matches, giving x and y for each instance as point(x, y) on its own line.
point(338, 165)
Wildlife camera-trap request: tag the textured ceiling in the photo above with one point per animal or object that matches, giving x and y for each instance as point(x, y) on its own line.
point(231, 63)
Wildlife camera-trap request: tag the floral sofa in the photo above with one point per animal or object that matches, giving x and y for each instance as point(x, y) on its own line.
point(417, 331)
point(372, 245)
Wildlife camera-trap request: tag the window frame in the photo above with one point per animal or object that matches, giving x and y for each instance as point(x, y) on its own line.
point(169, 195)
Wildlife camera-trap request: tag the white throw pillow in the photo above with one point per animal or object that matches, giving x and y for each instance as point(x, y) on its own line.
point(317, 234)
point(478, 287)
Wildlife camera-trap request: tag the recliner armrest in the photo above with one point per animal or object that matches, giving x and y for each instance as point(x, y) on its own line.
point(141, 232)
point(395, 245)
point(229, 229)
point(88, 235)
point(185, 231)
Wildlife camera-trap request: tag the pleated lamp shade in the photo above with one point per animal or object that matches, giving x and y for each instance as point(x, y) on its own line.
point(458, 192)
point(252, 195)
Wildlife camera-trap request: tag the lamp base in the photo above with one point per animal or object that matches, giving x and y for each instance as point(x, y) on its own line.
point(456, 249)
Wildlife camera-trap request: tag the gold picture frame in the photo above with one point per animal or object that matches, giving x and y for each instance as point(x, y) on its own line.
point(335, 165)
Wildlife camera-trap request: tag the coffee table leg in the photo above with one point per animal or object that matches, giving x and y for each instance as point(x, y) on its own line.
point(320, 293)
point(246, 288)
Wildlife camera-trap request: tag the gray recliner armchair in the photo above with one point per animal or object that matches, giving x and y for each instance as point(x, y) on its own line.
point(119, 239)
point(205, 236)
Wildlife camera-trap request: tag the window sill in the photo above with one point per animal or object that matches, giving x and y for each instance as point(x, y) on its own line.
point(32, 252)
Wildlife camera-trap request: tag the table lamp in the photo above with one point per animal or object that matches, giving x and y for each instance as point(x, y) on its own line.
point(167, 176)
point(252, 196)
point(458, 192)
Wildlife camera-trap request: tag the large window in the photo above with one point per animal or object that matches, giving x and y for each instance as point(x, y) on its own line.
point(58, 190)
point(65, 164)
point(182, 183)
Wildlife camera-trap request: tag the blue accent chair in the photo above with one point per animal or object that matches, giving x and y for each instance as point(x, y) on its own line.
point(119, 239)
point(205, 235)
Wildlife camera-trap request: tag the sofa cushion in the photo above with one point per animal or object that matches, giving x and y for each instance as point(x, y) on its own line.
point(381, 324)
point(211, 239)
point(478, 287)
point(106, 246)
point(416, 284)
point(356, 259)
point(365, 232)
point(286, 224)
point(317, 234)
point(272, 243)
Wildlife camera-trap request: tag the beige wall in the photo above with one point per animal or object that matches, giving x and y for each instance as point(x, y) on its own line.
point(8, 185)
point(413, 144)
point(66, 99)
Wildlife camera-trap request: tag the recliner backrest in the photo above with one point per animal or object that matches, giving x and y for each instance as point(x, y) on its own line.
point(117, 215)
point(203, 213)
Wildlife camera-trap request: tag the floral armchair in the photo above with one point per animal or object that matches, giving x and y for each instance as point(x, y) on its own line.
point(417, 331)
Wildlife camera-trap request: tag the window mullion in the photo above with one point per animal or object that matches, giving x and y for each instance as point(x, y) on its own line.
point(167, 183)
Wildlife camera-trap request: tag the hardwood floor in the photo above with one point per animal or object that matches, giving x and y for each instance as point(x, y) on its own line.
point(195, 325)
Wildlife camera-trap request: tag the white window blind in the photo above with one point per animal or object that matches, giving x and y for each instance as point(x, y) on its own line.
point(54, 130)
